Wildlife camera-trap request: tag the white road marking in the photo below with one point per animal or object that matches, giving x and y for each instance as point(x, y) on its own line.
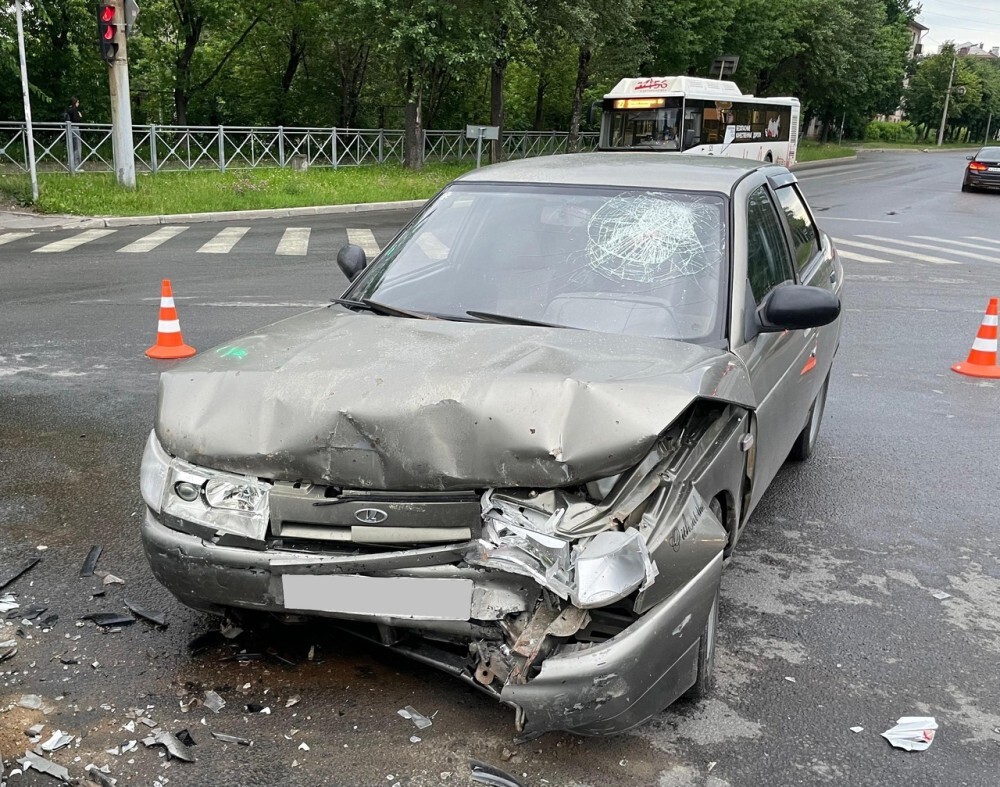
point(223, 242)
point(12, 236)
point(154, 239)
point(952, 242)
point(72, 242)
point(365, 239)
point(929, 247)
point(821, 218)
point(295, 242)
point(849, 255)
point(983, 240)
point(902, 252)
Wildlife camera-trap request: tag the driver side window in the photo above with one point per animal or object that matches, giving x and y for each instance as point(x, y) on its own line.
point(769, 262)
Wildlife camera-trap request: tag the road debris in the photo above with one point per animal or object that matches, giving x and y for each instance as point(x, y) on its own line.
point(857, 729)
point(40, 764)
point(941, 595)
point(790, 679)
point(8, 601)
point(415, 739)
point(409, 712)
point(484, 773)
point(101, 776)
point(219, 736)
point(213, 701)
point(107, 619)
point(185, 737)
point(109, 578)
point(289, 702)
point(57, 741)
point(7, 650)
point(27, 565)
point(304, 746)
point(153, 616)
point(90, 562)
point(173, 746)
point(912, 733)
point(35, 702)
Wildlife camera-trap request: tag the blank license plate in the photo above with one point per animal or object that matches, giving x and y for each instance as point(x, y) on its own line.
point(414, 598)
point(994, 169)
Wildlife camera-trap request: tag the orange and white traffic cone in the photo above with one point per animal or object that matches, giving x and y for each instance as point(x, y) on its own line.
point(982, 360)
point(169, 342)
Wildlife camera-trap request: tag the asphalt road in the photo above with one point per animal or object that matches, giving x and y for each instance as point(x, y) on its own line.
point(829, 618)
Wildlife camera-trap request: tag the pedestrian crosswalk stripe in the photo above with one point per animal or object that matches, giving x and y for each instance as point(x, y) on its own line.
point(223, 242)
point(946, 250)
point(295, 242)
point(365, 239)
point(954, 242)
point(902, 252)
point(73, 241)
point(14, 236)
point(995, 241)
point(850, 255)
point(154, 239)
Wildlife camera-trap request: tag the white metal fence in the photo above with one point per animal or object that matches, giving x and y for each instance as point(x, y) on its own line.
point(65, 147)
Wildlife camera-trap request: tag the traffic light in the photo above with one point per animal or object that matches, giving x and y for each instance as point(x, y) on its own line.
point(107, 32)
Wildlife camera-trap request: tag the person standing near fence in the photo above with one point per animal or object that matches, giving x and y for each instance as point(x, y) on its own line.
point(74, 116)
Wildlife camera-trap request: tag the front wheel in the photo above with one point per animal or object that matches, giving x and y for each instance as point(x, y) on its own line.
point(706, 655)
point(808, 437)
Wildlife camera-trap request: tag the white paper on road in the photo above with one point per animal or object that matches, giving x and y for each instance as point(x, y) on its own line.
point(73, 241)
point(154, 239)
point(294, 242)
point(913, 733)
point(223, 242)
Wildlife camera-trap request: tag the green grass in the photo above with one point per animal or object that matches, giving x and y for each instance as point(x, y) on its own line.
point(203, 191)
point(925, 145)
point(819, 151)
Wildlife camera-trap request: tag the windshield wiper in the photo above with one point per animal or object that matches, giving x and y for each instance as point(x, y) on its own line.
point(506, 319)
point(381, 308)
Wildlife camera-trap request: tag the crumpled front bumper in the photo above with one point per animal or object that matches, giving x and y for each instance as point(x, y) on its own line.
point(593, 689)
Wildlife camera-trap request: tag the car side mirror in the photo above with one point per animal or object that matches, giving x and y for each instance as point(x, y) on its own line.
point(351, 260)
point(793, 307)
point(970, 158)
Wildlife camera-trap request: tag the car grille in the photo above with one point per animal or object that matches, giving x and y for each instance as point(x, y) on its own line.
point(312, 513)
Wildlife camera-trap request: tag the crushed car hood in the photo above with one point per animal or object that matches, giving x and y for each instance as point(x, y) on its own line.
point(363, 401)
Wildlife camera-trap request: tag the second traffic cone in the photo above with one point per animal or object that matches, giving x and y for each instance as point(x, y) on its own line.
point(982, 361)
point(169, 342)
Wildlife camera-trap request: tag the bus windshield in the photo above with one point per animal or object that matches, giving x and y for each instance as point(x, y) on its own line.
point(655, 127)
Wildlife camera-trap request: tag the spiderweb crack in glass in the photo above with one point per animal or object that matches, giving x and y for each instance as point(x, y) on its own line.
point(645, 238)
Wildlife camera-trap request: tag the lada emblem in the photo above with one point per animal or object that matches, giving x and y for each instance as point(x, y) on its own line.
point(371, 516)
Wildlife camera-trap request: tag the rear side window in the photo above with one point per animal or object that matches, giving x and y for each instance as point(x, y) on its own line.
point(804, 234)
point(768, 261)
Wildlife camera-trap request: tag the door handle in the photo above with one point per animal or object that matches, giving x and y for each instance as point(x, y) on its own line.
point(833, 277)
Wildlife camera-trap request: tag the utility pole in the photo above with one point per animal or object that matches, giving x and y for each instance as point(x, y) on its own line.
point(988, 124)
point(112, 23)
point(947, 100)
point(29, 131)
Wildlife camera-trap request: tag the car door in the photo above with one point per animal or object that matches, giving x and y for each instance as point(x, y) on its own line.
point(773, 360)
point(817, 266)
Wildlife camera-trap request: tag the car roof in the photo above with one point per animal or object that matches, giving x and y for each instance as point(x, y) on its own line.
point(639, 170)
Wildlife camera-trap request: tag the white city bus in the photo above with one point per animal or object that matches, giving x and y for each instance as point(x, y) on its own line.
point(701, 116)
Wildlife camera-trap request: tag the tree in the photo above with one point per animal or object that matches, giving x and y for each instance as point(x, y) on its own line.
point(924, 100)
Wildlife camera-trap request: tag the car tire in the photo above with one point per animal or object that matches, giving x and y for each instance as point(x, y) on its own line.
point(966, 188)
point(706, 655)
point(805, 443)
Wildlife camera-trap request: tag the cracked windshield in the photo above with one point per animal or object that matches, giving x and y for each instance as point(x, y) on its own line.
point(635, 262)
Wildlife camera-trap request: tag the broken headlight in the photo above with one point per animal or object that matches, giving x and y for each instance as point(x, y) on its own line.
point(590, 572)
point(222, 501)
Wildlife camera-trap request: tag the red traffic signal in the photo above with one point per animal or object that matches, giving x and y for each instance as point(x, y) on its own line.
point(107, 33)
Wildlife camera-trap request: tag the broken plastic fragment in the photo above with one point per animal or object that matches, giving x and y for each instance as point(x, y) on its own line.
point(912, 733)
point(7, 651)
point(57, 741)
point(100, 776)
point(214, 702)
point(27, 565)
point(857, 729)
point(304, 746)
point(219, 736)
point(415, 739)
point(40, 764)
point(941, 595)
point(106, 619)
point(292, 701)
point(153, 616)
point(173, 746)
point(409, 712)
point(185, 737)
point(90, 563)
point(484, 773)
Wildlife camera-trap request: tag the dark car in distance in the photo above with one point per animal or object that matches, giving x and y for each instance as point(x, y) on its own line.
point(983, 171)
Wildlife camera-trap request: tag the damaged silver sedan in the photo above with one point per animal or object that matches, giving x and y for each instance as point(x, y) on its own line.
point(521, 445)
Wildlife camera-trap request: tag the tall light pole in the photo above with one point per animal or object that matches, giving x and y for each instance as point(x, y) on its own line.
point(947, 100)
point(988, 124)
point(27, 105)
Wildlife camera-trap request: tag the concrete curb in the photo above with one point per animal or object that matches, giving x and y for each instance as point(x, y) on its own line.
point(12, 220)
point(805, 166)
